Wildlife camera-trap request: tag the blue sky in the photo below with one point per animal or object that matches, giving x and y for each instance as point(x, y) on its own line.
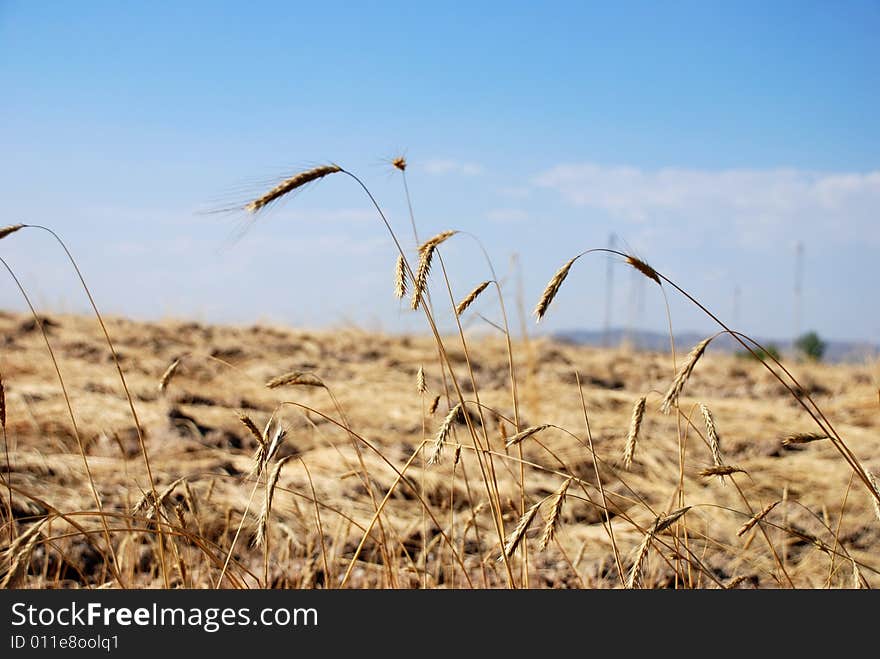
point(710, 137)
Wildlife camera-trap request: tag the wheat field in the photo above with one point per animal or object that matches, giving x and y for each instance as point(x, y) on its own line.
point(179, 454)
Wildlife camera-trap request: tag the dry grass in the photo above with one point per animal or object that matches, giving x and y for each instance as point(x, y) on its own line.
point(195, 432)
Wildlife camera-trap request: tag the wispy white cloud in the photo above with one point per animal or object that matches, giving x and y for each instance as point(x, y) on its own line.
point(507, 215)
point(446, 166)
point(744, 206)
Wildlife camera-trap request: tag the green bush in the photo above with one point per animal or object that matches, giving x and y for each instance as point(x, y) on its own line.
point(811, 346)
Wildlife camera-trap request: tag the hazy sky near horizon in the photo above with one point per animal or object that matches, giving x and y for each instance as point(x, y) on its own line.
point(709, 137)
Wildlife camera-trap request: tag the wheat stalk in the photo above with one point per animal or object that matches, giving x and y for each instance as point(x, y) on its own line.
point(635, 424)
point(426, 257)
point(421, 385)
point(17, 555)
point(671, 398)
point(665, 521)
point(295, 378)
point(469, 300)
point(291, 184)
point(644, 268)
point(802, 438)
point(515, 538)
point(400, 163)
point(733, 583)
point(433, 406)
point(181, 518)
point(168, 374)
point(857, 577)
point(525, 434)
point(153, 505)
point(712, 435)
point(552, 289)
point(443, 433)
point(5, 231)
point(277, 438)
point(662, 523)
point(252, 427)
point(400, 278)
point(745, 528)
point(635, 574)
point(721, 470)
point(553, 520)
point(875, 498)
point(263, 523)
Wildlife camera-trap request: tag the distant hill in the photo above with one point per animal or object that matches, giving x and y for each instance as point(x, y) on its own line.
point(837, 351)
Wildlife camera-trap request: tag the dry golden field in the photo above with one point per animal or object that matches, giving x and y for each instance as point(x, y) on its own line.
point(355, 421)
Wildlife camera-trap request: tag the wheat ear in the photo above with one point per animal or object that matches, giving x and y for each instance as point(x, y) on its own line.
point(745, 528)
point(433, 406)
point(644, 268)
point(443, 434)
point(515, 538)
point(802, 438)
point(252, 427)
point(469, 299)
point(632, 437)
point(525, 434)
point(295, 378)
point(553, 520)
point(712, 435)
point(400, 277)
point(721, 470)
point(5, 231)
point(660, 524)
point(426, 257)
point(875, 498)
point(289, 185)
point(552, 289)
point(670, 400)
point(168, 375)
point(263, 523)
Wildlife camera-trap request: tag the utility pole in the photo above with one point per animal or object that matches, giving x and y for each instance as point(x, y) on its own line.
point(609, 292)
